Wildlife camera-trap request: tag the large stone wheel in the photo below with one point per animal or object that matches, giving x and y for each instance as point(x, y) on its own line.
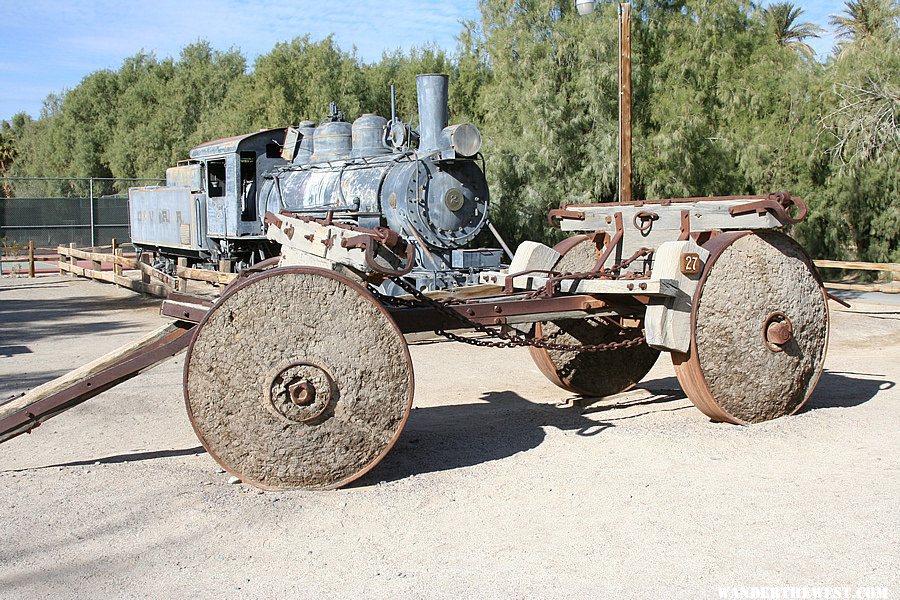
point(298, 378)
point(591, 374)
point(759, 325)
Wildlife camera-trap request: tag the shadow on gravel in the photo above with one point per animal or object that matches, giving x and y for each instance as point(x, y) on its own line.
point(839, 389)
point(442, 438)
point(25, 322)
point(119, 458)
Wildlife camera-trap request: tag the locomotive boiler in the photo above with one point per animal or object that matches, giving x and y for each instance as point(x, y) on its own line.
point(425, 184)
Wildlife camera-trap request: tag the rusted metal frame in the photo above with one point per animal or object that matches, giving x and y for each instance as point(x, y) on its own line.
point(778, 204)
point(558, 214)
point(660, 202)
point(646, 219)
point(500, 311)
point(189, 312)
point(685, 233)
point(611, 244)
point(508, 281)
point(79, 391)
point(369, 242)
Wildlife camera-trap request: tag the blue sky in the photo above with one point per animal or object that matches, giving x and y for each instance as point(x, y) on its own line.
point(47, 46)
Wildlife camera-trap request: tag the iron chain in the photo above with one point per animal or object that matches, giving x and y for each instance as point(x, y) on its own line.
point(500, 338)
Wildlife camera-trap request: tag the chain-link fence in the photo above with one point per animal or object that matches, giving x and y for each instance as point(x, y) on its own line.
point(53, 211)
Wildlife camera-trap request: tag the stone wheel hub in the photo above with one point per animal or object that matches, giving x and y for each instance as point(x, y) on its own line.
point(299, 392)
point(777, 331)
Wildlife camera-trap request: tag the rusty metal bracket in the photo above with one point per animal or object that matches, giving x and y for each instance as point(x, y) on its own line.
point(685, 234)
point(370, 243)
point(778, 204)
point(558, 214)
point(611, 243)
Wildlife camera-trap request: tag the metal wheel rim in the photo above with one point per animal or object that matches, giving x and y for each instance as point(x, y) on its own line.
point(688, 370)
point(237, 286)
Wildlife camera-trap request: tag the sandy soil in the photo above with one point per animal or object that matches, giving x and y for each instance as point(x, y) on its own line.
point(500, 486)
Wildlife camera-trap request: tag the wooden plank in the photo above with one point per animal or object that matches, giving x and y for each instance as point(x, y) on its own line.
point(127, 262)
point(468, 292)
point(854, 265)
point(643, 287)
point(93, 367)
point(117, 265)
point(865, 287)
point(154, 289)
point(205, 275)
point(704, 217)
point(182, 281)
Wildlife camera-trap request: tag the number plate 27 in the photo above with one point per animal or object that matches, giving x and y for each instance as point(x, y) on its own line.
point(690, 263)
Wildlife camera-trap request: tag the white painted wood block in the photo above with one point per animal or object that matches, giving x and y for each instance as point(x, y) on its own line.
point(532, 255)
point(667, 322)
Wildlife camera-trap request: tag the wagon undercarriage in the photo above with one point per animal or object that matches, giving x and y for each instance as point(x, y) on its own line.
point(299, 375)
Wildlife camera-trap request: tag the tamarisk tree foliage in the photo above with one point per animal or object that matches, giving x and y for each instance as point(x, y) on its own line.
point(727, 99)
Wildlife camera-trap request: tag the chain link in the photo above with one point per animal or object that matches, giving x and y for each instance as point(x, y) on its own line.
point(503, 340)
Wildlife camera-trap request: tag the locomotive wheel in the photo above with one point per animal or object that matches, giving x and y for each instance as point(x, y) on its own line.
point(298, 378)
point(591, 374)
point(759, 329)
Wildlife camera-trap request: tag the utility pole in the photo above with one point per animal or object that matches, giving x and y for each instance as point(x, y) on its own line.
point(625, 102)
point(586, 7)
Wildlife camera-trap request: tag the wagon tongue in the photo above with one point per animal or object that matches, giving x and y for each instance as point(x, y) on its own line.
point(29, 410)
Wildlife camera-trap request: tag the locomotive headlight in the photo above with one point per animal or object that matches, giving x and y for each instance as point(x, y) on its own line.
point(585, 7)
point(465, 139)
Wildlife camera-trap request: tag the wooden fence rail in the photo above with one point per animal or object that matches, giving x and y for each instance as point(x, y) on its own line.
point(134, 274)
point(891, 287)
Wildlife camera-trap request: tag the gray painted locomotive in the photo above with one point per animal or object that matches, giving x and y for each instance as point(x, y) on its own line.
point(425, 184)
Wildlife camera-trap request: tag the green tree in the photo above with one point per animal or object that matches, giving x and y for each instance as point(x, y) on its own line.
point(864, 21)
point(162, 105)
point(295, 81)
point(781, 19)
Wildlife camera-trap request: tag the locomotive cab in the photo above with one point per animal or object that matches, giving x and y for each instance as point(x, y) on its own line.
point(208, 210)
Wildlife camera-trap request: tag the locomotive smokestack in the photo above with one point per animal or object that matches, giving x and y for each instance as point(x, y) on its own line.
point(434, 114)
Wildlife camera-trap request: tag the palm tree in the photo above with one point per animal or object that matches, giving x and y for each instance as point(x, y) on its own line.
point(781, 19)
point(865, 20)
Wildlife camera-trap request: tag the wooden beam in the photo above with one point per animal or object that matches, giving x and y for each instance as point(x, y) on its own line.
point(31, 258)
point(854, 265)
point(865, 287)
point(206, 275)
point(625, 102)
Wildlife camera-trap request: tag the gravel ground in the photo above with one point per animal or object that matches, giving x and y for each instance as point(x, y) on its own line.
point(501, 485)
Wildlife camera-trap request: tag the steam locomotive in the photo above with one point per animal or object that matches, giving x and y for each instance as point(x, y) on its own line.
point(426, 184)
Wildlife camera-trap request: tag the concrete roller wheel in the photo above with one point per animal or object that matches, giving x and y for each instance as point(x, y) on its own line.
point(591, 374)
point(759, 329)
point(298, 378)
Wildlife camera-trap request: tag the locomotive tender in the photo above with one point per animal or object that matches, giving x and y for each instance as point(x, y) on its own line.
point(367, 174)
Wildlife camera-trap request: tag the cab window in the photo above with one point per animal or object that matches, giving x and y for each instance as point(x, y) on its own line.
point(215, 178)
point(248, 186)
